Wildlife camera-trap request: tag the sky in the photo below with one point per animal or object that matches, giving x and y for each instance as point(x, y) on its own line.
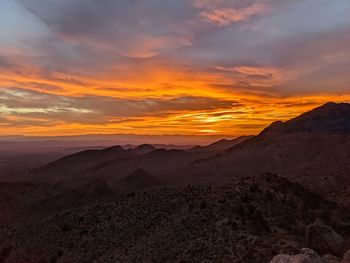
point(168, 67)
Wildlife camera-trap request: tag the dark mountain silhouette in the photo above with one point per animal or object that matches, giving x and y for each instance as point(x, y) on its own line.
point(144, 148)
point(112, 166)
point(86, 162)
point(307, 146)
point(330, 118)
point(221, 145)
point(162, 146)
point(315, 144)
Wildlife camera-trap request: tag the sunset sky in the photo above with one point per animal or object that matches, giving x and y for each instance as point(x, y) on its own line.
point(187, 67)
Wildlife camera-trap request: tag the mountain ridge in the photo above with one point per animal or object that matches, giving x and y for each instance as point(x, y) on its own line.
point(328, 118)
point(294, 149)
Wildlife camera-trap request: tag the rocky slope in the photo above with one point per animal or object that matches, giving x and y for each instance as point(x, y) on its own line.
point(331, 118)
point(249, 221)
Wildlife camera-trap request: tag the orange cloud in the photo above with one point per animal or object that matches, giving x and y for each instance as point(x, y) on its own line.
point(155, 99)
point(67, 115)
point(228, 16)
point(257, 75)
point(252, 71)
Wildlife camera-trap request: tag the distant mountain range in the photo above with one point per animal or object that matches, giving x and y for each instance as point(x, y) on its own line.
point(307, 146)
point(221, 145)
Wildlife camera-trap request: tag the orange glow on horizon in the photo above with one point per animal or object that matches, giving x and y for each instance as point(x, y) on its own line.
point(258, 109)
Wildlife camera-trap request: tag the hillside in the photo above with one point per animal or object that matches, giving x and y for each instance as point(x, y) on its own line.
point(232, 223)
point(331, 118)
point(314, 145)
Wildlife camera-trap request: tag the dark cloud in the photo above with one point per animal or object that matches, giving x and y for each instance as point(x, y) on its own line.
point(101, 36)
point(129, 28)
point(4, 63)
point(40, 86)
point(98, 109)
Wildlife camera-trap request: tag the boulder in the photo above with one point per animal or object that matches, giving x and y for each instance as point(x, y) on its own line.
point(323, 239)
point(306, 256)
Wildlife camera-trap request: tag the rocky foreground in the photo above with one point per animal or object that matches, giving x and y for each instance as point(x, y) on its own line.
point(307, 255)
point(249, 221)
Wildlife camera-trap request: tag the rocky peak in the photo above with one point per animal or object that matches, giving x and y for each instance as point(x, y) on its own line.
point(144, 148)
point(329, 118)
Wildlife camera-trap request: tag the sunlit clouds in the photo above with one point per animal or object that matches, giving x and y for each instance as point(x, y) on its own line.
point(227, 16)
point(152, 67)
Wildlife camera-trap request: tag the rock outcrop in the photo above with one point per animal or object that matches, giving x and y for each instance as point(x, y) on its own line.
point(306, 256)
point(324, 239)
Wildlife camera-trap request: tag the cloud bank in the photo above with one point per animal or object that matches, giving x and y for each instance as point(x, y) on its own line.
point(173, 66)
